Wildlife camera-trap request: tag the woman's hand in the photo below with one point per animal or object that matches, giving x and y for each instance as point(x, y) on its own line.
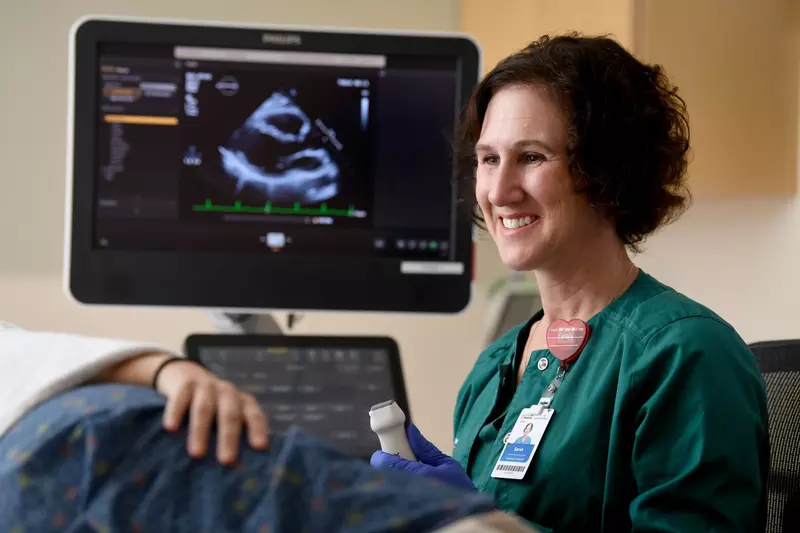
point(432, 462)
point(190, 388)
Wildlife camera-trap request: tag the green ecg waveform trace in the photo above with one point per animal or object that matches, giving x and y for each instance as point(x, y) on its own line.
point(269, 209)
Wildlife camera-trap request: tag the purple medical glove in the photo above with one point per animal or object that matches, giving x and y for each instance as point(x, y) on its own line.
point(432, 462)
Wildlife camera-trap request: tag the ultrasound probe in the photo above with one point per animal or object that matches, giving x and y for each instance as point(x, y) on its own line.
point(388, 421)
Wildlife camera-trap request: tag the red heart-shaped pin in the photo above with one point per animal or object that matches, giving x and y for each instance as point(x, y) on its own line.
point(566, 339)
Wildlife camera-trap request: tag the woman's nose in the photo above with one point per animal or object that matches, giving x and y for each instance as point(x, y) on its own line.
point(506, 188)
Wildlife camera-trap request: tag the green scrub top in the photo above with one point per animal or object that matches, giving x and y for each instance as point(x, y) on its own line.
point(659, 426)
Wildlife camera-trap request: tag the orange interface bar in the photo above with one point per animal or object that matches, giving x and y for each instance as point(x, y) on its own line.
point(142, 119)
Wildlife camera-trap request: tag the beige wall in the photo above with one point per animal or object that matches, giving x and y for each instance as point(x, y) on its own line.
point(740, 91)
point(741, 257)
point(512, 24)
point(740, 254)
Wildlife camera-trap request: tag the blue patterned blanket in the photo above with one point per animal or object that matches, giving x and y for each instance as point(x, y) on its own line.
point(96, 459)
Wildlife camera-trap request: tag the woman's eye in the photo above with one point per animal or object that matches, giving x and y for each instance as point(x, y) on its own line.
point(490, 160)
point(533, 158)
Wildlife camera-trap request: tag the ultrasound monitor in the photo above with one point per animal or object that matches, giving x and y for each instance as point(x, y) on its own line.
point(243, 167)
point(325, 385)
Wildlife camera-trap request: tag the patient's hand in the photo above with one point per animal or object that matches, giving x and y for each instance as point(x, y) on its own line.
point(192, 389)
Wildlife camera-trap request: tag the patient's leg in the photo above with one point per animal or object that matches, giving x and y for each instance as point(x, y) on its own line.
point(97, 459)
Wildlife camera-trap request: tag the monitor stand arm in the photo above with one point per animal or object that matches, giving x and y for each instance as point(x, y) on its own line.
point(245, 323)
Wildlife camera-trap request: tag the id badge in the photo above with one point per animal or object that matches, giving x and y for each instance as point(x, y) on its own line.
point(522, 444)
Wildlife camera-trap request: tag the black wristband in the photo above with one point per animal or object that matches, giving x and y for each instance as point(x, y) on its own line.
point(162, 366)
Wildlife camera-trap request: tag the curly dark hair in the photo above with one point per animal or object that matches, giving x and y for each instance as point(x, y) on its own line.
point(627, 128)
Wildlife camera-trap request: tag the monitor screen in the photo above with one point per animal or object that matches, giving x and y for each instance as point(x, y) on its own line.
point(325, 385)
point(245, 168)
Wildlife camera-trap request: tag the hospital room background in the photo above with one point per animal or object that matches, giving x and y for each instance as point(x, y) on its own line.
point(737, 249)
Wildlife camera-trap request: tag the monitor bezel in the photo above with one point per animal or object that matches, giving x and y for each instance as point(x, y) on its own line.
point(194, 343)
point(213, 281)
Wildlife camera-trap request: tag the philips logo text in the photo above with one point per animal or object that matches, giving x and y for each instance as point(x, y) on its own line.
point(286, 39)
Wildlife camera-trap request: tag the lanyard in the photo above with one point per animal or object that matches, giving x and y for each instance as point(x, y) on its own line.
point(550, 391)
point(566, 341)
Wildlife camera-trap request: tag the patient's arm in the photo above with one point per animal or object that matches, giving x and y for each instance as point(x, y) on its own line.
point(36, 365)
point(63, 361)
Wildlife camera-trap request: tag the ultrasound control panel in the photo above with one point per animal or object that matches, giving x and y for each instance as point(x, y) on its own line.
point(324, 385)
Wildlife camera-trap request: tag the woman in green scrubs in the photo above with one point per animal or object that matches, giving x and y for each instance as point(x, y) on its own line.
point(577, 153)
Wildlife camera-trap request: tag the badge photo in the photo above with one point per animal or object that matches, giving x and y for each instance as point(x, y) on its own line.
point(521, 444)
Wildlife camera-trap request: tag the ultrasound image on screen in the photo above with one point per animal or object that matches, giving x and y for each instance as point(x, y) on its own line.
point(326, 391)
point(274, 139)
point(275, 153)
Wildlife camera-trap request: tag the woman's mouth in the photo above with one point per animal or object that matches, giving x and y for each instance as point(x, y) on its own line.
point(515, 223)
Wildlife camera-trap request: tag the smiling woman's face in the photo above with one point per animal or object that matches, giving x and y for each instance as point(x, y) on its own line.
point(523, 185)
